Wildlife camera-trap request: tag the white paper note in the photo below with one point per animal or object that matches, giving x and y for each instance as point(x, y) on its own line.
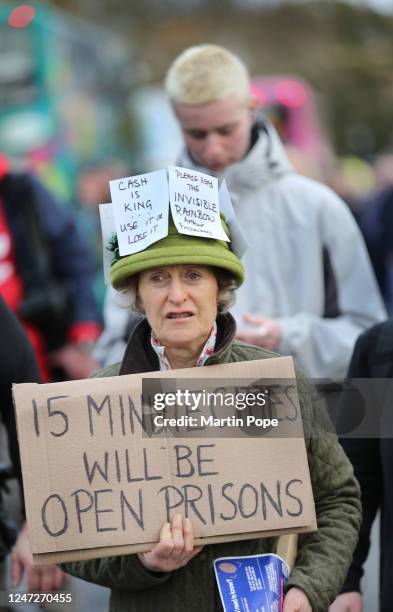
point(194, 203)
point(140, 206)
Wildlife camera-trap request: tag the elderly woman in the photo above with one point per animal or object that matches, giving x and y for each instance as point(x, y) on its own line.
point(184, 285)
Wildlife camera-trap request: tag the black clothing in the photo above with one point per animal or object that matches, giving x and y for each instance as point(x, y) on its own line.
point(372, 459)
point(376, 223)
point(17, 365)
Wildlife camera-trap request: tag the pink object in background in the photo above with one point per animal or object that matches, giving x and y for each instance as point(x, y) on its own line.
point(290, 103)
point(21, 16)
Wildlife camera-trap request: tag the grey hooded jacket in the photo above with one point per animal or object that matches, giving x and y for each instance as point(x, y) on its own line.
point(307, 265)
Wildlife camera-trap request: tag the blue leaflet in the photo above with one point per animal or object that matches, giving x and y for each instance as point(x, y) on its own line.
point(251, 584)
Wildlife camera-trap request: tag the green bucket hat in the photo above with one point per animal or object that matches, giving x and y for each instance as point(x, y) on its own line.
point(175, 249)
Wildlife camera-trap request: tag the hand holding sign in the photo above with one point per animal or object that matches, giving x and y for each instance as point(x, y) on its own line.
point(175, 548)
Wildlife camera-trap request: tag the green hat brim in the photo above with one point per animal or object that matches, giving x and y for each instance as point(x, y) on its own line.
point(177, 249)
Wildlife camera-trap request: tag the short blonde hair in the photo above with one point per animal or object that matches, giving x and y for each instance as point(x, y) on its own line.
point(206, 73)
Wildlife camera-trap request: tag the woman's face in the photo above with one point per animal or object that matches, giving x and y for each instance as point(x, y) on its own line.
point(180, 304)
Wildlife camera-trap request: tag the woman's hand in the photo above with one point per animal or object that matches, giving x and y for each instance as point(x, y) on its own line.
point(347, 602)
point(296, 601)
point(175, 548)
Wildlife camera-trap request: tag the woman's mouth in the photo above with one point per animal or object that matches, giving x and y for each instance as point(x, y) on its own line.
point(179, 315)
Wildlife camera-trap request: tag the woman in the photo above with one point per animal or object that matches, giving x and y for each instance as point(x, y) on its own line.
point(184, 284)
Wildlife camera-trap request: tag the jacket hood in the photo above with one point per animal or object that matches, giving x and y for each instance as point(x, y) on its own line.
point(265, 161)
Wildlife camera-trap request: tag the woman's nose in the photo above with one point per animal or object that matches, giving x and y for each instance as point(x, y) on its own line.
point(177, 292)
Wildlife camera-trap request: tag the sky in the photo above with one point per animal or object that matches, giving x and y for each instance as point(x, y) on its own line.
point(383, 6)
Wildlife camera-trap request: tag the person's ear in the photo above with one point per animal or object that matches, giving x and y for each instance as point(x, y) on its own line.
point(139, 304)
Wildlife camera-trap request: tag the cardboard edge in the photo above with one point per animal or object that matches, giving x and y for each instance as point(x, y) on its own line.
point(67, 556)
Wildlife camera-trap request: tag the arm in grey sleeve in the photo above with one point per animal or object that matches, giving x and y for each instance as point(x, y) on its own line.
point(324, 345)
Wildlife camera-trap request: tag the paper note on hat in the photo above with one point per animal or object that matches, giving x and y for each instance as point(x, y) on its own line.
point(140, 207)
point(195, 208)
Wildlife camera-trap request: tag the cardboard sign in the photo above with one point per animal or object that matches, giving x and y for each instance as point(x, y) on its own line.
point(140, 206)
point(193, 197)
point(96, 485)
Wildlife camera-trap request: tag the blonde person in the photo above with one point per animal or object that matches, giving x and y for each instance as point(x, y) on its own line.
point(184, 285)
point(309, 289)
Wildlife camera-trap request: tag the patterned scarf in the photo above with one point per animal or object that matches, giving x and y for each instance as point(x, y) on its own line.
point(207, 350)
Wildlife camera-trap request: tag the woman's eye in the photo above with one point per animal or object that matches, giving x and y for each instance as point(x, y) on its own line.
point(156, 278)
point(194, 275)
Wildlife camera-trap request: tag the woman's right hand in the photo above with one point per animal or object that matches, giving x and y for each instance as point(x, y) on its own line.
point(175, 548)
point(347, 602)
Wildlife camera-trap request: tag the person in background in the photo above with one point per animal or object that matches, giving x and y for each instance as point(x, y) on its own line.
point(47, 275)
point(18, 365)
point(376, 223)
point(372, 459)
point(310, 290)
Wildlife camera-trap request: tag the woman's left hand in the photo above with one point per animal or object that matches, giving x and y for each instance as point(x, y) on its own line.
point(296, 601)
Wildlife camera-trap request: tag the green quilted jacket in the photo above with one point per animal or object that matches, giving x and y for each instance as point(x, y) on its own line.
point(323, 557)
